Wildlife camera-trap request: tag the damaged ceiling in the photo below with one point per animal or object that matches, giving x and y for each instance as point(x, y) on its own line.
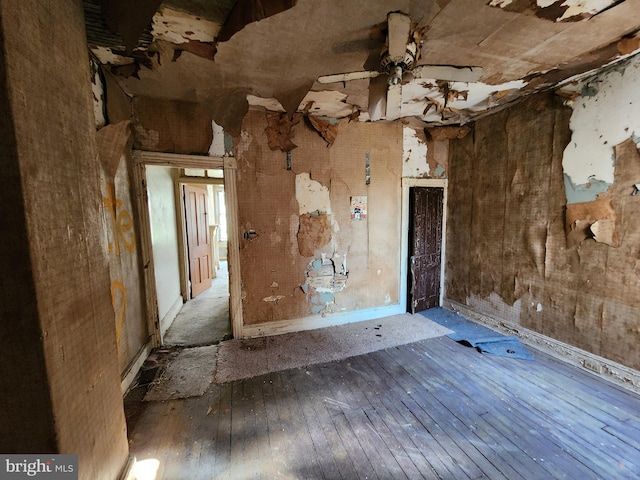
point(230, 55)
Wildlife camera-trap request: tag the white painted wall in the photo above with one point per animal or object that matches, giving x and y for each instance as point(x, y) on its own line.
point(605, 115)
point(164, 238)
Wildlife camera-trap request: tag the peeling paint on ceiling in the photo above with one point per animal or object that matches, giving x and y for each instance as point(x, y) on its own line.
point(178, 27)
point(271, 61)
point(559, 10)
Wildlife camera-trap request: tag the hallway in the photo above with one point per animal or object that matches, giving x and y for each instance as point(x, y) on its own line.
point(205, 319)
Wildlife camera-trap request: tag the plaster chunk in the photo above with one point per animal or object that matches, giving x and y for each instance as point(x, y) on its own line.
point(312, 196)
point(596, 220)
point(177, 27)
point(415, 154)
point(603, 117)
point(328, 103)
point(604, 231)
point(273, 298)
point(323, 278)
point(577, 8)
point(106, 56)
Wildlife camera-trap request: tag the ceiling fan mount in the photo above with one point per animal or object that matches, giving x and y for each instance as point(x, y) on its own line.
point(395, 67)
point(400, 51)
point(399, 55)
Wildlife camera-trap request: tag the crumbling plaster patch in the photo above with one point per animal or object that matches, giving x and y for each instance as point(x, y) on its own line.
point(577, 7)
point(603, 116)
point(312, 196)
point(323, 281)
point(574, 8)
point(463, 99)
point(97, 88)
point(106, 56)
point(328, 103)
point(414, 153)
point(177, 27)
point(217, 142)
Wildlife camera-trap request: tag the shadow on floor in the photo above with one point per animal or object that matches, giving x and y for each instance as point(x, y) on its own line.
point(204, 320)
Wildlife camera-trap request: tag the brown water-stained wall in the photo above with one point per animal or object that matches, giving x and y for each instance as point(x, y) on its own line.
point(171, 126)
point(61, 324)
point(273, 267)
point(507, 253)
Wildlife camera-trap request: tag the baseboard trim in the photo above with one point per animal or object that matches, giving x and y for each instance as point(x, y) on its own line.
point(171, 315)
point(604, 368)
point(319, 321)
point(129, 375)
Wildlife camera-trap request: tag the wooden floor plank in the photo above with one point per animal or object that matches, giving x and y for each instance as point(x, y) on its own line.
point(560, 423)
point(328, 447)
point(222, 447)
point(452, 406)
point(522, 412)
point(296, 430)
point(429, 410)
point(401, 432)
point(488, 412)
point(438, 458)
point(455, 441)
point(379, 452)
point(365, 462)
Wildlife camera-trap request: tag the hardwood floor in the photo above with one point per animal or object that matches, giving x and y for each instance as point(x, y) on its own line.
point(431, 409)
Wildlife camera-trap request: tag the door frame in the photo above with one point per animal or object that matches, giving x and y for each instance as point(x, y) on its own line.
point(407, 184)
point(229, 167)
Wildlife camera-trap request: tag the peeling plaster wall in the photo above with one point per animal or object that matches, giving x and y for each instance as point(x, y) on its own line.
point(424, 157)
point(164, 238)
point(122, 241)
point(58, 367)
point(507, 251)
point(603, 116)
point(272, 211)
point(414, 156)
point(98, 89)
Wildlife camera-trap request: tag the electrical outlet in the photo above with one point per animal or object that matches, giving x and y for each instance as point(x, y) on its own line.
point(591, 365)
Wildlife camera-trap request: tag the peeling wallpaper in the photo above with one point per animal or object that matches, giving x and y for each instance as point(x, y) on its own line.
point(604, 115)
point(510, 254)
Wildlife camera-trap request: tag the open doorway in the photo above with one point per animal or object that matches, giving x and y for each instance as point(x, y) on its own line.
point(162, 239)
point(189, 238)
point(205, 316)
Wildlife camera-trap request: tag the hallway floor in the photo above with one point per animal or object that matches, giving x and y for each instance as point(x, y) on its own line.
point(205, 319)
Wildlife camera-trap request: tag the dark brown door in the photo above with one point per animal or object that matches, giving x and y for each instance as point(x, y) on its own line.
point(198, 241)
point(425, 245)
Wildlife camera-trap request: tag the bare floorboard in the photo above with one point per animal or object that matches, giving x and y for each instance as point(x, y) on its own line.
point(428, 410)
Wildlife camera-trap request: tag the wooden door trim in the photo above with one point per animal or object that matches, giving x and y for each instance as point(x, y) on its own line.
point(407, 184)
point(228, 164)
